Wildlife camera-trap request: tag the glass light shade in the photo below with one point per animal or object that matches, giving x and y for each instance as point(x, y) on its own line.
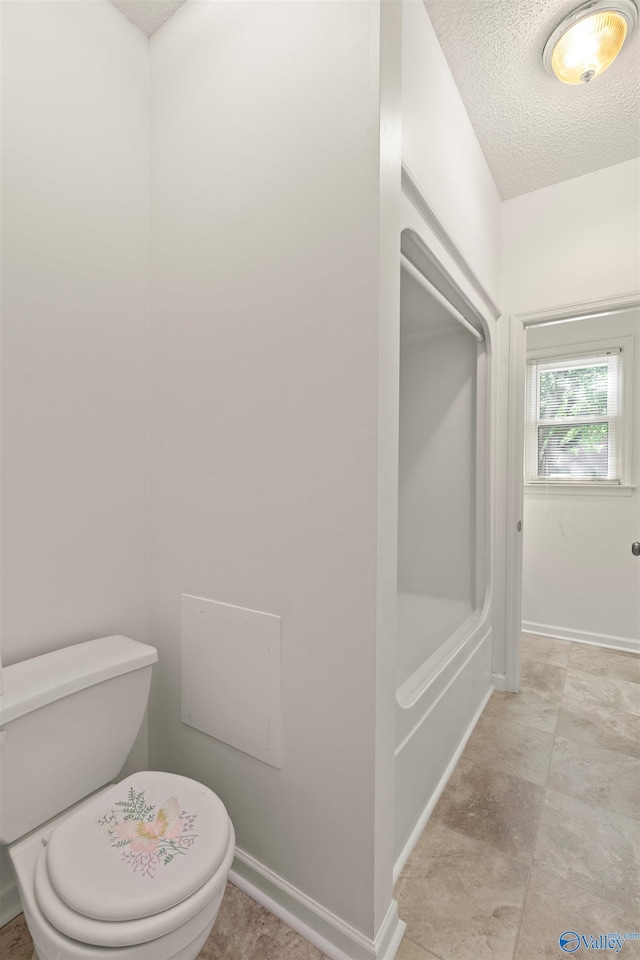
point(589, 46)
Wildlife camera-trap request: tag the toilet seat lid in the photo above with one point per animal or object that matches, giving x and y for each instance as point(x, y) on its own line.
point(144, 845)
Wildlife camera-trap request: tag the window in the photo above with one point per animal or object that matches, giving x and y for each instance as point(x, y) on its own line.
point(574, 426)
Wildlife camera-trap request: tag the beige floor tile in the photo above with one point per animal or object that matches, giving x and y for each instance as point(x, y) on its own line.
point(244, 930)
point(408, 950)
point(15, 940)
point(494, 807)
point(277, 941)
point(464, 899)
point(544, 678)
point(619, 695)
point(605, 663)
point(511, 748)
point(544, 650)
point(605, 778)
point(553, 907)
point(236, 928)
point(598, 725)
point(528, 707)
point(595, 849)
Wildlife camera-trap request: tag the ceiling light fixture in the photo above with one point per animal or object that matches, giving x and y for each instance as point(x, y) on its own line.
point(586, 42)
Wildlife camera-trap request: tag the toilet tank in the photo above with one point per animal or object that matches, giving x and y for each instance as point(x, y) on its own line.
point(68, 720)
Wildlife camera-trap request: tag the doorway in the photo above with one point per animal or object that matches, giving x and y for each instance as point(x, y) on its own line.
point(569, 537)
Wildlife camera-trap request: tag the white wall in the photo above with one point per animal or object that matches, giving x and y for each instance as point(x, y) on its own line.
point(75, 179)
point(440, 146)
point(574, 241)
point(75, 233)
point(437, 488)
point(265, 226)
point(578, 570)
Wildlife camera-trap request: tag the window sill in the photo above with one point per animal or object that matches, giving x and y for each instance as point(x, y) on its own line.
point(580, 489)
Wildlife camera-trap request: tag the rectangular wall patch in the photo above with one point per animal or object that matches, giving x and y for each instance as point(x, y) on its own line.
point(231, 675)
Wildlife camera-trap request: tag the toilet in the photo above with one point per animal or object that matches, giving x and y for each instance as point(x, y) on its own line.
point(134, 870)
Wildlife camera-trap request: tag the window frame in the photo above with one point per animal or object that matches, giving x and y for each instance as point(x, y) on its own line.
point(576, 351)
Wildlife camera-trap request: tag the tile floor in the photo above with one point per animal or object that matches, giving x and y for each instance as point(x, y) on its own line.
point(536, 833)
point(538, 829)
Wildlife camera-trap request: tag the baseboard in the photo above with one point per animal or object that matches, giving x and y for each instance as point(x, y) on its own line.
point(334, 937)
point(499, 681)
point(415, 834)
point(582, 636)
point(10, 905)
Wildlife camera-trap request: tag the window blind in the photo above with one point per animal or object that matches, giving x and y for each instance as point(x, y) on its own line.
point(573, 429)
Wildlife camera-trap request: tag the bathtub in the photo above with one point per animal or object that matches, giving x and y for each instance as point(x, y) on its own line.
point(444, 623)
point(437, 707)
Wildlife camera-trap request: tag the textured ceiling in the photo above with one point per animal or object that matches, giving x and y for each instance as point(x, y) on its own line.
point(148, 15)
point(534, 130)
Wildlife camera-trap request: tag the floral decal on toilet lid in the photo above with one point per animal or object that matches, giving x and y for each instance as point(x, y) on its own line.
point(148, 835)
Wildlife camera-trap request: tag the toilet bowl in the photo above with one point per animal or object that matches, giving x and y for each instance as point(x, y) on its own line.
point(94, 884)
point(135, 870)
